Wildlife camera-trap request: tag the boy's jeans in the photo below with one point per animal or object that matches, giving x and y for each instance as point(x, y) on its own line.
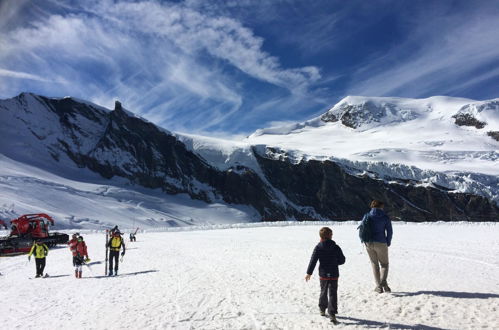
point(331, 287)
point(378, 254)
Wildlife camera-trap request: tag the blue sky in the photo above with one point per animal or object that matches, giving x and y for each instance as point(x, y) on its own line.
point(227, 68)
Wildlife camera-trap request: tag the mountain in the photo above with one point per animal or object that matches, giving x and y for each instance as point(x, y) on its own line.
point(262, 178)
point(438, 133)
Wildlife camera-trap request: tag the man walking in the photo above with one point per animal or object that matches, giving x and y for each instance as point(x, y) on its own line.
point(40, 250)
point(115, 244)
point(377, 244)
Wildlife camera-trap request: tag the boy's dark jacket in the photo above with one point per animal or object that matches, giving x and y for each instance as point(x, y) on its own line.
point(330, 256)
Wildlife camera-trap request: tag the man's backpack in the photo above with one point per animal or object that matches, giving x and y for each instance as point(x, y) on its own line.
point(365, 229)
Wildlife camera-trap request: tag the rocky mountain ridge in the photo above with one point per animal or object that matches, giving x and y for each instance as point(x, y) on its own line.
point(117, 144)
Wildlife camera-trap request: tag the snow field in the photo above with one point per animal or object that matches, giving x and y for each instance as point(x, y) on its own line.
point(442, 277)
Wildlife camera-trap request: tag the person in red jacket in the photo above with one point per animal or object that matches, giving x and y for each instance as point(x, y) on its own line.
point(72, 244)
point(80, 257)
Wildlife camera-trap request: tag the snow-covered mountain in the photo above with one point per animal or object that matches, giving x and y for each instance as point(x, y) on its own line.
point(438, 133)
point(56, 150)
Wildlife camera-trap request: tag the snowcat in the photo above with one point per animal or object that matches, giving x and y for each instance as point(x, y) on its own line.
point(28, 228)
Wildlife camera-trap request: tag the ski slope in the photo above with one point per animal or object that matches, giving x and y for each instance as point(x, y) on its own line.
point(96, 203)
point(443, 276)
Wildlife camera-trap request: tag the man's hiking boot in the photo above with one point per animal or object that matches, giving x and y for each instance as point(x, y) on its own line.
point(323, 312)
point(378, 289)
point(386, 288)
point(334, 320)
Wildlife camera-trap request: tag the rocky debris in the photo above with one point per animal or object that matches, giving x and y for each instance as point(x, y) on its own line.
point(466, 119)
point(365, 113)
point(494, 135)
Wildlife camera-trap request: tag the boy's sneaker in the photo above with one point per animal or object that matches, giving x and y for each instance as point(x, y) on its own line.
point(334, 320)
point(378, 289)
point(323, 312)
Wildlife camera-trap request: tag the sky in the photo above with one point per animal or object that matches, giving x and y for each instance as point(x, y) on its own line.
point(227, 68)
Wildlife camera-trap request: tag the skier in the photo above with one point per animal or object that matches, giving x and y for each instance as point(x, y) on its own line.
point(81, 256)
point(330, 256)
point(377, 246)
point(41, 250)
point(115, 243)
point(132, 237)
point(72, 244)
point(115, 229)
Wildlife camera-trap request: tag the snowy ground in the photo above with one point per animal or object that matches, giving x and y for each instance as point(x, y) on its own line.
point(91, 202)
point(443, 276)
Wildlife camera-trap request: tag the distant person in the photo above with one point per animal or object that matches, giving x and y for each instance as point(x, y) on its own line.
point(132, 237)
point(115, 243)
point(41, 251)
point(330, 256)
point(72, 244)
point(112, 231)
point(81, 256)
point(380, 238)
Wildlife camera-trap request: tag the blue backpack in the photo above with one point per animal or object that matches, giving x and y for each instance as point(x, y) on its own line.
point(365, 229)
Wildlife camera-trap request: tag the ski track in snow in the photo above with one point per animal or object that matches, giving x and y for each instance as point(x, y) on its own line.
point(442, 277)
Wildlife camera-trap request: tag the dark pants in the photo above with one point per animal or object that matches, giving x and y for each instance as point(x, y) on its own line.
point(113, 255)
point(329, 287)
point(40, 266)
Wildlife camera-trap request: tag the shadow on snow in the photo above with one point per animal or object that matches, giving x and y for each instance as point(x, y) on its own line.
point(449, 294)
point(376, 324)
point(130, 274)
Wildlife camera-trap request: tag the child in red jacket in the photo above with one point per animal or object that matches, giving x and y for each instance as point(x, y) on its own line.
point(80, 256)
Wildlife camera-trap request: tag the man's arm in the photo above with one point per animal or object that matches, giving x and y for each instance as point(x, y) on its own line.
point(389, 232)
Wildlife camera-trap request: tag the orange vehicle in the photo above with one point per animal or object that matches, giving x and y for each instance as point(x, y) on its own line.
point(27, 228)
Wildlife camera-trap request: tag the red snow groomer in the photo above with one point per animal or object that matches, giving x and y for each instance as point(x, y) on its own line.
point(26, 229)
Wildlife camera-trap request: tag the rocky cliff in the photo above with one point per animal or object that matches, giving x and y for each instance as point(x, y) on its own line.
point(119, 144)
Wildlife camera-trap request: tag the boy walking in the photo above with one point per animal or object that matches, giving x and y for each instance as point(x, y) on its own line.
point(329, 256)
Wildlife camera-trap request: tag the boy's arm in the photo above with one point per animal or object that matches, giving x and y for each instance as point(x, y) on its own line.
point(313, 262)
point(341, 256)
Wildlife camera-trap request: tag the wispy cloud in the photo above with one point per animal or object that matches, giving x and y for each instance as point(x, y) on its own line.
point(22, 75)
point(150, 55)
point(445, 52)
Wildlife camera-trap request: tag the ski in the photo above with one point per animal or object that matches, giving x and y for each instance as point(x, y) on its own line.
point(105, 263)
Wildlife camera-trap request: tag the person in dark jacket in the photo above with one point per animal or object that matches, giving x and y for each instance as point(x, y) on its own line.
point(377, 246)
point(329, 256)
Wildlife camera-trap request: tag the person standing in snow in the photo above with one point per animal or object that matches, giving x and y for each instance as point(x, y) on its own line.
point(377, 246)
point(80, 257)
point(115, 243)
point(330, 256)
point(72, 244)
point(115, 229)
point(40, 250)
